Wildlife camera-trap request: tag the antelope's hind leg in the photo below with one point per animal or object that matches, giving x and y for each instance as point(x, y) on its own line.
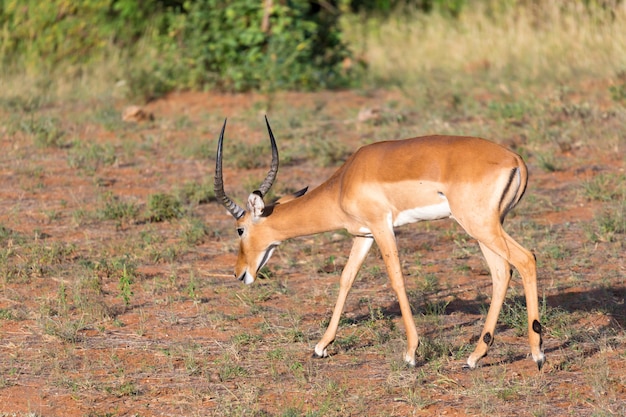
point(501, 275)
point(524, 262)
point(510, 252)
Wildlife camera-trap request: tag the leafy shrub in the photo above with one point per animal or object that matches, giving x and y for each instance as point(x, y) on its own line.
point(168, 44)
point(450, 7)
point(224, 44)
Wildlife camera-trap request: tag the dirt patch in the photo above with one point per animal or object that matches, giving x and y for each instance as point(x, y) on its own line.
point(104, 312)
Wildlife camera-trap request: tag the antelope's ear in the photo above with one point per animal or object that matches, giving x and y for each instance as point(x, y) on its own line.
point(292, 196)
point(301, 192)
point(256, 204)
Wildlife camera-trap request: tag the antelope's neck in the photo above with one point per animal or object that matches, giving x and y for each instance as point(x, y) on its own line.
point(315, 212)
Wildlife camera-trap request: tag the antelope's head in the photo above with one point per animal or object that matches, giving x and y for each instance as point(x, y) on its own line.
point(256, 239)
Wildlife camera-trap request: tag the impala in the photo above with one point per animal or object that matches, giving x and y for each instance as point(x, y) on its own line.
point(389, 184)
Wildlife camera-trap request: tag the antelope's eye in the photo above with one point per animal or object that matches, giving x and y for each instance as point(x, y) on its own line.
point(240, 231)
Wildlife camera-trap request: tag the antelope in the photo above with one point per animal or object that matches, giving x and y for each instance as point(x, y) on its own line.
point(389, 184)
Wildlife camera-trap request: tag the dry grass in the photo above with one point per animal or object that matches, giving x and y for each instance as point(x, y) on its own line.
point(105, 311)
point(554, 42)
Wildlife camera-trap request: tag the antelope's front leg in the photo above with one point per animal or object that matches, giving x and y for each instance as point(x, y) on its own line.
point(360, 248)
point(387, 243)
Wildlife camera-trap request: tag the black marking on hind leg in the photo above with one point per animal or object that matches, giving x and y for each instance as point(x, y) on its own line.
point(488, 339)
point(537, 327)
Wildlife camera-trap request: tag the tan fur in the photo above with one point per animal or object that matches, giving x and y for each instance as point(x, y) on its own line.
point(480, 181)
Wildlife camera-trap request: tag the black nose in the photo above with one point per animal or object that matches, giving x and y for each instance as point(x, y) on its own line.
point(241, 277)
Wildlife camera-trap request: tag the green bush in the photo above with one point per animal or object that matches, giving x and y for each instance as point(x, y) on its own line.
point(43, 35)
point(224, 44)
point(448, 7)
point(169, 44)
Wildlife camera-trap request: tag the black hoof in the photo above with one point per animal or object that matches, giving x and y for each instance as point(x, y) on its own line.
point(540, 364)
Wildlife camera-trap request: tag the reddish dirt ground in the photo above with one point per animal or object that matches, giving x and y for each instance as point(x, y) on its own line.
point(224, 349)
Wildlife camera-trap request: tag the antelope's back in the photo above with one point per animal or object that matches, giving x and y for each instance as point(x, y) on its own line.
point(430, 158)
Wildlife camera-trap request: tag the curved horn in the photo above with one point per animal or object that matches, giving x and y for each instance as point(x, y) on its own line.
point(271, 175)
point(236, 211)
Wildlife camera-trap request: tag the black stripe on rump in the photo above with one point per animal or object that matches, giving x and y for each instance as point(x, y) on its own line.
point(503, 212)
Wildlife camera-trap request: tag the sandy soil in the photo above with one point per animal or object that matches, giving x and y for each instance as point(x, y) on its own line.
point(194, 341)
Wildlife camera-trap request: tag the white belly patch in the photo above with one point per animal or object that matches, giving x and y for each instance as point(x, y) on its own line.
point(433, 212)
point(364, 230)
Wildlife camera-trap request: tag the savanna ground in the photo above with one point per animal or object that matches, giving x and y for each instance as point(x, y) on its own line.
point(116, 262)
